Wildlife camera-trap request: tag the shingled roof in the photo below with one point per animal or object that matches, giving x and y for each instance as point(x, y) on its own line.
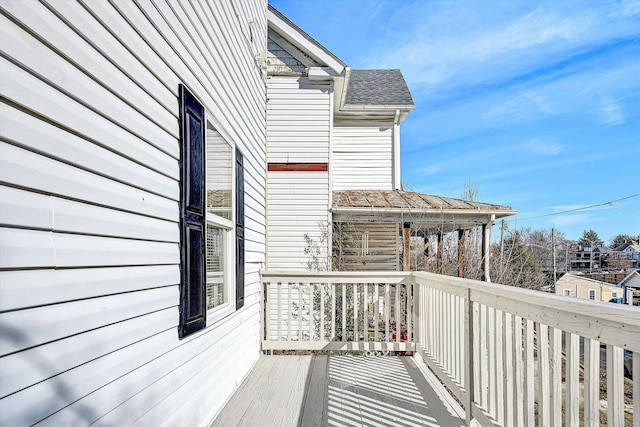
point(398, 199)
point(379, 88)
point(430, 213)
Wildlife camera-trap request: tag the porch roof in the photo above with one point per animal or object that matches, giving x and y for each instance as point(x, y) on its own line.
point(426, 211)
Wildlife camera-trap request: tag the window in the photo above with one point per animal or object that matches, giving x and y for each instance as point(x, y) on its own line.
point(365, 243)
point(219, 215)
point(211, 220)
point(566, 292)
point(614, 294)
point(592, 294)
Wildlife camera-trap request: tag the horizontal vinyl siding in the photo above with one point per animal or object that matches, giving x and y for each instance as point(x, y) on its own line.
point(297, 205)
point(298, 120)
point(89, 192)
point(362, 157)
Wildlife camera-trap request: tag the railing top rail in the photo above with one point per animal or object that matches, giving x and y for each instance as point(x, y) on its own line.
point(390, 277)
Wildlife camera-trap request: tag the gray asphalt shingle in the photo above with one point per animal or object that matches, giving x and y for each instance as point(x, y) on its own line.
point(378, 87)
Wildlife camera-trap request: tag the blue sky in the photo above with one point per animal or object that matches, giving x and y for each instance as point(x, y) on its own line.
point(535, 102)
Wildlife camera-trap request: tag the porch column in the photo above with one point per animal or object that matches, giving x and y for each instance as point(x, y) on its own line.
point(486, 248)
point(426, 253)
point(406, 239)
point(462, 237)
point(440, 267)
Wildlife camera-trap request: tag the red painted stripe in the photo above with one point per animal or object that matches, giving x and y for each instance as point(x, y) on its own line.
point(297, 167)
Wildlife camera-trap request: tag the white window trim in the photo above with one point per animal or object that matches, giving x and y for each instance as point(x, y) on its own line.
point(595, 294)
point(216, 314)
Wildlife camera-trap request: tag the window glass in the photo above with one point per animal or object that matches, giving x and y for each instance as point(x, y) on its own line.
point(216, 292)
point(219, 174)
point(219, 244)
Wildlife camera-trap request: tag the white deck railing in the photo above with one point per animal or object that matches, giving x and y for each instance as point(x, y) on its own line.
point(514, 357)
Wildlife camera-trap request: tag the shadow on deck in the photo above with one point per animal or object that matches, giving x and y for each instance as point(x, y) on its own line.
point(346, 390)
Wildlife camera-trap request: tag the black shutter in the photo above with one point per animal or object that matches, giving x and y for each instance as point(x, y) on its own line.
point(192, 214)
point(239, 230)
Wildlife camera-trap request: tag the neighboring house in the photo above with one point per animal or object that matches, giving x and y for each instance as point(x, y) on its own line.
point(582, 287)
point(633, 252)
point(631, 287)
point(107, 107)
point(334, 195)
point(590, 257)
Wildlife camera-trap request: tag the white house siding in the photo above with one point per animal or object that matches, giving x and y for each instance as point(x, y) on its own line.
point(298, 120)
point(89, 237)
point(298, 130)
point(297, 205)
point(362, 157)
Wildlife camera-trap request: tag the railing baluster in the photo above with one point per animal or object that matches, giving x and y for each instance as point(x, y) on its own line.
point(591, 383)
point(508, 395)
point(484, 373)
point(365, 312)
point(289, 310)
point(469, 357)
point(267, 320)
point(355, 312)
point(478, 355)
point(376, 313)
point(279, 312)
point(572, 379)
point(518, 370)
point(543, 374)
point(492, 365)
point(615, 386)
point(333, 311)
point(499, 371)
point(635, 368)
point(397, 312)
point(344, 312)
point(556, 375)
point(322, 309)
point(529, 380)
point(387, 312)
point(409, 288)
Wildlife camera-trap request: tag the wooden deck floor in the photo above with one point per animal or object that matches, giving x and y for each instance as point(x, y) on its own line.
point(340, 391)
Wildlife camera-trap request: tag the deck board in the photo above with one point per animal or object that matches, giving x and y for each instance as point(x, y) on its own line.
point(345, 390)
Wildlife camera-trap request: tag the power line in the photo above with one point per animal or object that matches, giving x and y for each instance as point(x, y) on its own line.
point(611, 203)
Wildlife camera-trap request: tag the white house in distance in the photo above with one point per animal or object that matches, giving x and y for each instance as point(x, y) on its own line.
point(333, 153)
point(583, 287)
point(103, 314)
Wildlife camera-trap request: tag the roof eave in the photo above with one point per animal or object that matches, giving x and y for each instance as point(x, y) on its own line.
point(282, 25)
point(499, 213)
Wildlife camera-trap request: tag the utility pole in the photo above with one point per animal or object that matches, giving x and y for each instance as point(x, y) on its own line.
point(553, 247)
point(502, 242)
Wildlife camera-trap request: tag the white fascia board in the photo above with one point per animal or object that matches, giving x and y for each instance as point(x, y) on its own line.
point(320, 73)
point(304, 44)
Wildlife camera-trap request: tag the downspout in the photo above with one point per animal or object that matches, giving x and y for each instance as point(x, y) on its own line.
point(397, 184)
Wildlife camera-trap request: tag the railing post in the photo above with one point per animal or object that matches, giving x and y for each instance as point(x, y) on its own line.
point(468, 366)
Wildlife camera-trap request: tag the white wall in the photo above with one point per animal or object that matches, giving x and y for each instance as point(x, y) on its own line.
point(362, 157)
point(89, 287)
point(299, 116)
point(298, 130)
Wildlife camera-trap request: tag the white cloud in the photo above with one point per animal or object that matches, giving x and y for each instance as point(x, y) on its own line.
point(611, 113)
point(544, 147)
point(572, 219)
point(431, 58)
point(629, 8)
point(520, 107)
